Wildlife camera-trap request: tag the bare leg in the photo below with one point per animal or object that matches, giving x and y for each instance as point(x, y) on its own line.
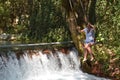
point(85, 55)
point(85, 52)
point(90, 51)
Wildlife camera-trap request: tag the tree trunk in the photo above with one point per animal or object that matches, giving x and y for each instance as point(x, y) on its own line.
point(83, 10)
point(72, 27)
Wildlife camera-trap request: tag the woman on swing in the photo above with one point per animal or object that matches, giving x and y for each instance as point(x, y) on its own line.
point(89, 41)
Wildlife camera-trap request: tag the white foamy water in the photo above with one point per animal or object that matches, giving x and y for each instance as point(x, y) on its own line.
point(43, 67)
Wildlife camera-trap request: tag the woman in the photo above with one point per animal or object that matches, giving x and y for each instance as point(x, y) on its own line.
point(89, 41)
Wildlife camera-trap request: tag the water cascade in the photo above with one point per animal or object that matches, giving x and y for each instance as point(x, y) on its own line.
point(39, 66)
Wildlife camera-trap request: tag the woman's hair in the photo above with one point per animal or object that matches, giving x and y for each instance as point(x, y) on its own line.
point(88, 24)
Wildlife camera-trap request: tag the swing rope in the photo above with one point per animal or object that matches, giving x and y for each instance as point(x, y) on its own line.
point(83, 9)
point(70, 2)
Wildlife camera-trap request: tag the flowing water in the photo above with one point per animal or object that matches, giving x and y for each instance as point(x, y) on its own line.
point(57, 66)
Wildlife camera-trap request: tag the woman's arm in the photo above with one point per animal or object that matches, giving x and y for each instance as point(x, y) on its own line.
point(79, 30)
point(92, 26)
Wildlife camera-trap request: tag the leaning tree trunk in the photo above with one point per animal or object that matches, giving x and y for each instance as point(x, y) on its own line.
point(76, 17)
point(73, 7)
point(82, 9)
point(74, 34)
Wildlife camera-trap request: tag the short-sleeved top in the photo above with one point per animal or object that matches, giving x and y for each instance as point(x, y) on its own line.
point(89, 35)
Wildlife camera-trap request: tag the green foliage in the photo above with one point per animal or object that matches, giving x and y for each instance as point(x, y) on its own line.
point(56, 34)
point(48, 22)
point(108, 22)
point(108, 32)
point(34, 20)
point(11, 13)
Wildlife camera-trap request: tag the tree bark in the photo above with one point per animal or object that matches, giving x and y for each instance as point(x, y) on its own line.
point(83, 10)
point(72, 27)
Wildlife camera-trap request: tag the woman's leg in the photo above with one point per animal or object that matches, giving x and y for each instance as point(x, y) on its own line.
point(85, 52)
point(90, 50)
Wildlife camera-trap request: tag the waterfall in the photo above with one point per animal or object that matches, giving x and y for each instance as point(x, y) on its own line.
point(39, 66)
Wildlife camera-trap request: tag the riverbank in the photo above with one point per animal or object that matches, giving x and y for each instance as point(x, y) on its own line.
point(106, 63)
